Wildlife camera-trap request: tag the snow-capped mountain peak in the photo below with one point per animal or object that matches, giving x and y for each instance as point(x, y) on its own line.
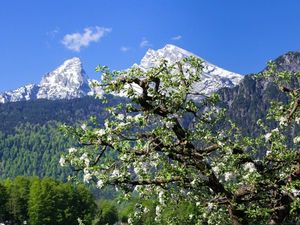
point(213, 77)
point(170, 53)
point(71, 69)
point(65, 82)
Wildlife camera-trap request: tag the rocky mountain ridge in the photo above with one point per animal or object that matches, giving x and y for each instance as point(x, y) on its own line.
point(249, 101)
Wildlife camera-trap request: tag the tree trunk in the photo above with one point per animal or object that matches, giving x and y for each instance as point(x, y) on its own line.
point(237, 216)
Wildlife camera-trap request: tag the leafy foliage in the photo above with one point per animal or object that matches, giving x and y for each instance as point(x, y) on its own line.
point(107, 213)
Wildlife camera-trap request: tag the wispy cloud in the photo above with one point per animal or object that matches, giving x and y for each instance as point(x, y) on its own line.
point(52, 34)
point(145, 43)
point(124, 49)
point(176, 38)
point(76, 41)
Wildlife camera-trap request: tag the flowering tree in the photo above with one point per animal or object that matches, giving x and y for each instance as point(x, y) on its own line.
point(168, 142)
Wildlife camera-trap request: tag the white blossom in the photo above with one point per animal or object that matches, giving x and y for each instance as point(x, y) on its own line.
point(228, 176)
point(87, 162)
point(158, 211)
point(283, 121)
point(297, 120)
point(87, 177)
point(100, 132)
point(128, 117)
point(161, 197)
point(130, 220)
point(84, 157)
point(62, 161)
point(295, 192)
point(71, 150)
point(146, 210)
point(100, 183)
point(120, 117)
point(100, 95)
point(109, 138)
point(296, 140)
point(169, 124)
point(249, 166)
point(80, 221)
point(268, 136)
point(210, 206)
point(83, 126)
point(138, 116)
point(217, 169)
point(124, 157)
point(115, 173)
point(193, 183)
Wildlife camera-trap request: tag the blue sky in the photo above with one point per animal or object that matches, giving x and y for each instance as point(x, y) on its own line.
point(238, 35)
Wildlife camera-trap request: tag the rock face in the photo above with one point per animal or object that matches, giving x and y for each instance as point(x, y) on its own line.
point(249, 101)
point(69, 80)
point(289, 61)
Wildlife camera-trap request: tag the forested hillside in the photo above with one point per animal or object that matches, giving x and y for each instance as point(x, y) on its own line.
point(30, 140)
point(33, 150)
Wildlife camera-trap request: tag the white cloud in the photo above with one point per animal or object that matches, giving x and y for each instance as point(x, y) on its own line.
point(176, 38)
point(124, 49)
point(145, 43)
point(76, 41)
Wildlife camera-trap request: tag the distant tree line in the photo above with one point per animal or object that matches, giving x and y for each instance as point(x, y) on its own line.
point(44, 201)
